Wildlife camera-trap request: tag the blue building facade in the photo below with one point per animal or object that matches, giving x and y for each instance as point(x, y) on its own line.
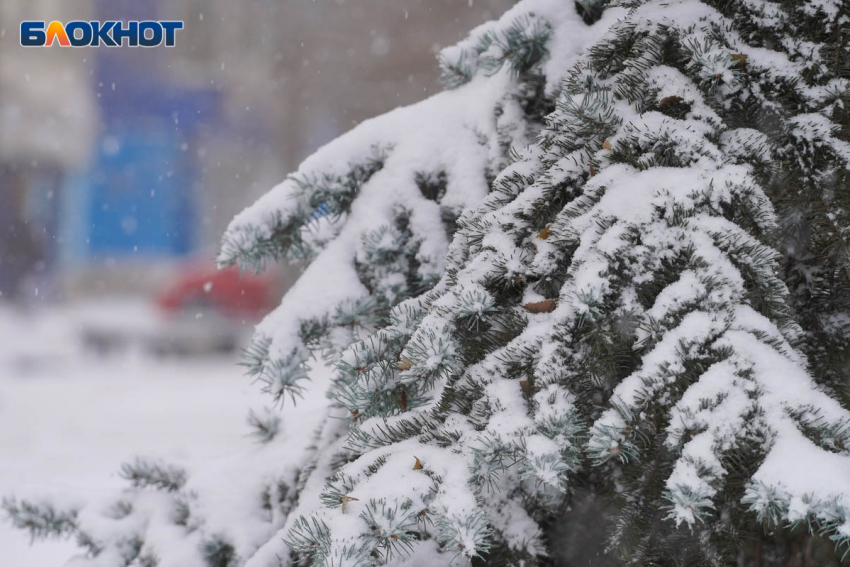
point(139, 194)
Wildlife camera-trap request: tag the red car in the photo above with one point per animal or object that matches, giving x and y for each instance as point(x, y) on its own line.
point(237, 296)
point(199, 311)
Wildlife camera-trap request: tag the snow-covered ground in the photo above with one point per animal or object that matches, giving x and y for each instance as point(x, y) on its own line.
point(68, 419)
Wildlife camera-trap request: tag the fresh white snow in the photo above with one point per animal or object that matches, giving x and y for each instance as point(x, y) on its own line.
point(69, 419)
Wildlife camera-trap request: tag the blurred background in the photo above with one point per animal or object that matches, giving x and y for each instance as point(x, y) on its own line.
point(117, 163)
point(120, 169)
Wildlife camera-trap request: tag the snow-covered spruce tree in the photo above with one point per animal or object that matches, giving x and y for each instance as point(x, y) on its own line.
point(371, 216)
point(811, 191)
point(612, 332)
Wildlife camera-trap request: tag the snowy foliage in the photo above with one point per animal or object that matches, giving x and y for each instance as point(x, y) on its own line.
point(614, 305)
point(372, 213)
point(646, 319)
